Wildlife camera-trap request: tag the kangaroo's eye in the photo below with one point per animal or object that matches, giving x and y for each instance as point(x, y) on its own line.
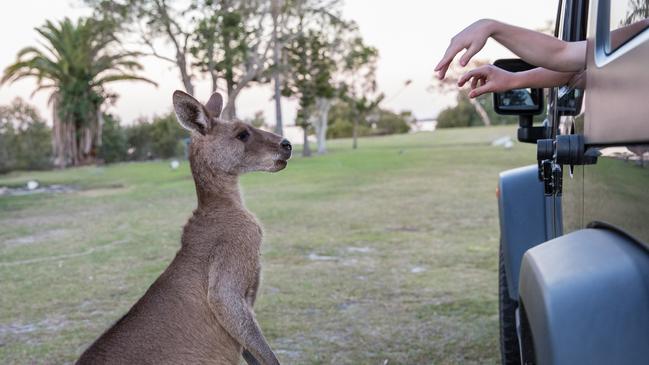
point(243, 136)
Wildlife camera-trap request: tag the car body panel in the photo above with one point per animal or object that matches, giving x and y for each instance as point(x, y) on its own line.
point(618, 111)
point(586, 298)
point(616, 190)
point(524, 212)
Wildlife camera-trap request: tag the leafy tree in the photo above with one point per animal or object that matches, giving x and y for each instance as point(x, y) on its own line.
point(290, 18)
point(360, 89)
point(327, 59)
point(75, 61)
point(25, 142)
point(311, 81)
point(151, 23)
point(277, 10)
point(230, 41)
point(225, 39)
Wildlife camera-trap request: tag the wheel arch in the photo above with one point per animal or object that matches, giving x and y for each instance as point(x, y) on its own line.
point(585, 296)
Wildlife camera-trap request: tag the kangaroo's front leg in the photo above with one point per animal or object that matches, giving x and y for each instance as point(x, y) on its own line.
point(250, 360)
point(226, 295)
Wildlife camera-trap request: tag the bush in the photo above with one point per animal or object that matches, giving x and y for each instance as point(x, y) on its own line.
point(340, 128)
point(464, 114)
point(392, 123)
point(341, 122)
point(167, 137)
point(113, 141)
point(161, 138)
point(138, 138)
point(461, 115)
point(25, 139)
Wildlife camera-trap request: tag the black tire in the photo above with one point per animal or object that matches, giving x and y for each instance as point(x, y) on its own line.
point(509, 349)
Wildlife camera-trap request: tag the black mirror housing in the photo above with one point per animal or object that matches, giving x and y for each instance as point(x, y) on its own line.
point(518, 101)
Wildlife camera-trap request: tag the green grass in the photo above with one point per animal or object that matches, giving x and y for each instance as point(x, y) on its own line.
point(409, 223)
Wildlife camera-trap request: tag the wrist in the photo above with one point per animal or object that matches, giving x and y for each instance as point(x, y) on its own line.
point(516, 80)
point(491, 26)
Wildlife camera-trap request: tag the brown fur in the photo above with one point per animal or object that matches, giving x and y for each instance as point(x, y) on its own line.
point(199, 311)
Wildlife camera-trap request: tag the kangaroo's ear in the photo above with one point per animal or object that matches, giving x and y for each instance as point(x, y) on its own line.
point(191, 113)
point(215, 105)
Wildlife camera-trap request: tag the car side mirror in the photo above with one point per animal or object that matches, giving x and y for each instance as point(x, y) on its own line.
point(526, 103)
point(518, 101)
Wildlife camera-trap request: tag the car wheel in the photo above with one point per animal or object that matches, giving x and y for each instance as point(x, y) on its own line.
point(509, 349)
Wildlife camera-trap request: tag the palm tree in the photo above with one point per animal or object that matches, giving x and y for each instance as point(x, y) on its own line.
point(76, 62)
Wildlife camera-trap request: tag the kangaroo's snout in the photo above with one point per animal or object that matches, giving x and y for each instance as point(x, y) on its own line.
point(285, 149)
point(286, 145)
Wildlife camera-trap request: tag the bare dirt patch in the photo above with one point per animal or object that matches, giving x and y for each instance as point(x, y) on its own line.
point(104, 191)
point(37, 237)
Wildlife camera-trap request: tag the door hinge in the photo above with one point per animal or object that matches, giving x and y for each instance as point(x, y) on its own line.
point(553, 154)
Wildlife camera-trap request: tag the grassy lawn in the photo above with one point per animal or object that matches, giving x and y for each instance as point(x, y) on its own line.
point(388, 252)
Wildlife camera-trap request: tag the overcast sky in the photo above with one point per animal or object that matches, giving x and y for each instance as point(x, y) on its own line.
point(411, 36)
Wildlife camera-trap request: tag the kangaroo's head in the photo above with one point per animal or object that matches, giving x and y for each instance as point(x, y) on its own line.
point(227, 147)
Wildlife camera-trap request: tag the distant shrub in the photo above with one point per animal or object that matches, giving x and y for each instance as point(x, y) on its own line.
point(392, 123)
point(167, 137)
point(161, 138)
point(114, 144)
point(25, 139)
point(340, 128)
point(138, 138)
point(258, 120)
point(341, 117)
point(463, 114)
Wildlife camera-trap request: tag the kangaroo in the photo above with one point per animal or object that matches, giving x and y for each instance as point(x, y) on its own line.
point(200, 309)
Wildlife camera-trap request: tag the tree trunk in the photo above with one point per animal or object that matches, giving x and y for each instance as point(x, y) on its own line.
point(481, 111)
point(323, 106)
point(211, 66)
point(230, 109)
point(355, 129)
point(64, 141)
point(215, 80)
point(306, 150)
point(181, 61)
point(57, 135)
point(354, 136)
point(279, 129)
point(71, 143)
point(100, 126)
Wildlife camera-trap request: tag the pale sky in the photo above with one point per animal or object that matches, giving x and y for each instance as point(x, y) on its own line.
point(411, 36)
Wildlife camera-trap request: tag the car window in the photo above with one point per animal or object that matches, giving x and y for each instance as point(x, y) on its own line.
point(628, 18)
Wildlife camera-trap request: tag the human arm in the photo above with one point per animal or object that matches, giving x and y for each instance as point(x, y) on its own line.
point(488, 78)
point(534, 47)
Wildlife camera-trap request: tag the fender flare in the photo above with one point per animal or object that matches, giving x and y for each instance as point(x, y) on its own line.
point(586, 299)
point(524, 218)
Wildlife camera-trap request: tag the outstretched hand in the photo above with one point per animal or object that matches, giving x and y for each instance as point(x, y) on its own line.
point(472, 38)
point(487, 79)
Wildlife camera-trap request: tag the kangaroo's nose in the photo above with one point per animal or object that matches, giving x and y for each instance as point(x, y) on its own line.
point(286, 145)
